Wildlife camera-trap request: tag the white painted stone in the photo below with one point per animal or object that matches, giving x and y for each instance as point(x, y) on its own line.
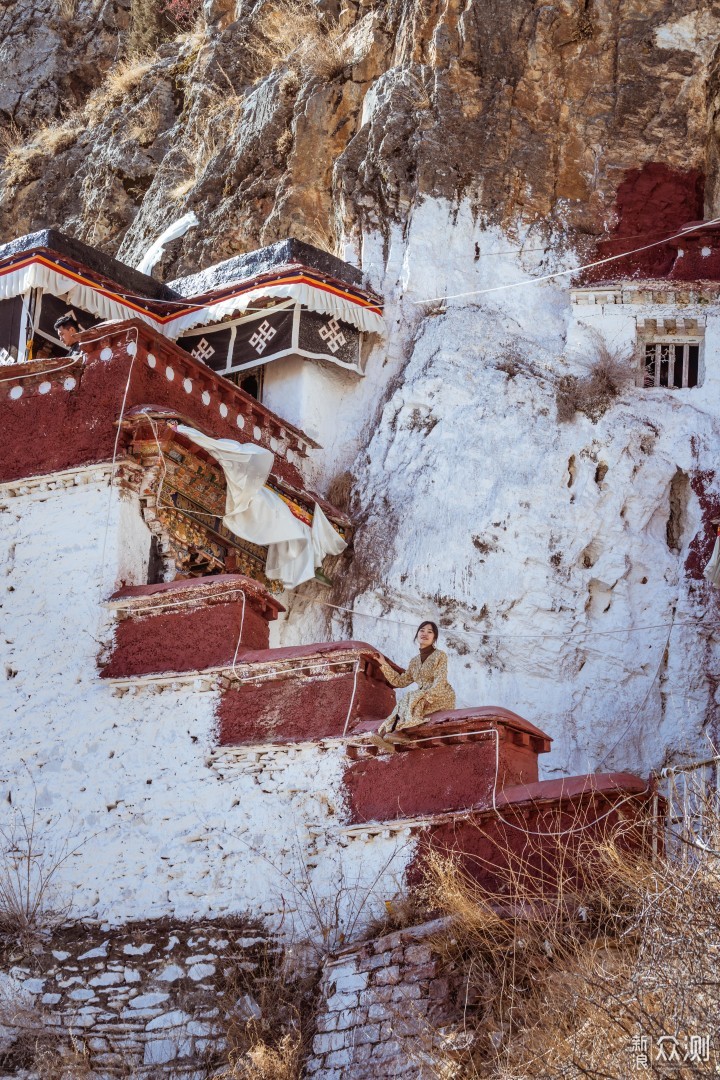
point(152, 360)
point(59, 955)
point(107, 978)
point(349, 981)
point(70, 383)
point(83, 993)
point(205, 397)
point(169, 373)
point(131, 976)
point(50, 999)
point(223, 409)
point(201, 971)
point(45, 387)
point(160, 1051)
point(107, 353)
point(148, 1001)
point(175, 1018)
point(16, 392)
point(138, 950)
point(197, 1027)
point(187, 386)
point(92, 954)
point(171, 973)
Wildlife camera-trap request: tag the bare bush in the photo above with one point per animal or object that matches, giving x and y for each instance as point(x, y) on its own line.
point(296, 33)
point(590, 980)
point(269, 1019)
point(31, 855)
point(340, 490)
point(29, 1042)
point(592, 394)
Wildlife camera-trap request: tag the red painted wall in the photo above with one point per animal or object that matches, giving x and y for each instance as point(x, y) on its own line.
point(185, 640)
point(652, 202)
point(62, 429)
point(299, 709)
point(491, 848)
point(433, 779)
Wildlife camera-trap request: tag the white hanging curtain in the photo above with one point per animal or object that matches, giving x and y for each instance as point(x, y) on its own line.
point(712, 570)
point(255, 513)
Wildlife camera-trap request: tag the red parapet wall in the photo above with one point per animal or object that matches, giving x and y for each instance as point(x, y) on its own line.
point(303, 694)
point(60, 419)
point(541, 838)
point(188, 625)
point(452, 761)
point(432, 780)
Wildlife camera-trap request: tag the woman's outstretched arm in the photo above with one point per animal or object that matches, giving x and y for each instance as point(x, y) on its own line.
point(395, 679)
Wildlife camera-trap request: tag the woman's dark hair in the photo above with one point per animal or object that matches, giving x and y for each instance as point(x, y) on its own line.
point(433, 627)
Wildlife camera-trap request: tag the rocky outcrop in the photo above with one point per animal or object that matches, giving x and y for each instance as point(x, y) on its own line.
point(532, 114)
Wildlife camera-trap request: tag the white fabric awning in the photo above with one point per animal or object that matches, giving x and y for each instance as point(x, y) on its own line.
point(36, 275)
point(314, 299)
point(255, 513)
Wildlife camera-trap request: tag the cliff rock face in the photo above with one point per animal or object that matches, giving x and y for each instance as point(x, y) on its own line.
point(448, 148)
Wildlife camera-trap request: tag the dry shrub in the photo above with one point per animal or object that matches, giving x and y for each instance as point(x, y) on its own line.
point(340, 490)
point(296, 33)
point(560, 983)
point(20, 151)
point(145, 123)
point(32, 852)
point(29, 1042)
point(119, 81)
point(67, 9)
point(269, 1036)
point(593, 394)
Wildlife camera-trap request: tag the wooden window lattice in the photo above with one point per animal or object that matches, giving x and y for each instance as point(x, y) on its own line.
point(675, 365)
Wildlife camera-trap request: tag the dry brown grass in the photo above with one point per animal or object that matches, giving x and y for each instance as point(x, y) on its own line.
point(181, 190)
point(67, 9)
point(30, 1042)
point(19, 152)
point(145, 123)
point(119, 81)
point(610, 371)
point(295, 33)
point(270, 1039)
point(558, 985)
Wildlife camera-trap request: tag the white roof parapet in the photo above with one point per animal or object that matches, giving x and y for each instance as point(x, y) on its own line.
point(659, 293)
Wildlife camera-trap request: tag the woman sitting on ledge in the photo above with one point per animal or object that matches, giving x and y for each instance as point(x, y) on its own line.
point(429, 670)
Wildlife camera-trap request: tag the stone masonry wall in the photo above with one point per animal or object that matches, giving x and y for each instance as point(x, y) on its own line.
point(383, 1004)
point(142, 999)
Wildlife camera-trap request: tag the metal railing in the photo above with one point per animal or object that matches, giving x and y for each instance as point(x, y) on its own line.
point(691, 795)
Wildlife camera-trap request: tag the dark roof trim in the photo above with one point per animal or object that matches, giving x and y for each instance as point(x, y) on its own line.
point(55, 242)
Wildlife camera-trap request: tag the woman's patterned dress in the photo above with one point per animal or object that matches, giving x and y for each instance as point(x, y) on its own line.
point(435, 691)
